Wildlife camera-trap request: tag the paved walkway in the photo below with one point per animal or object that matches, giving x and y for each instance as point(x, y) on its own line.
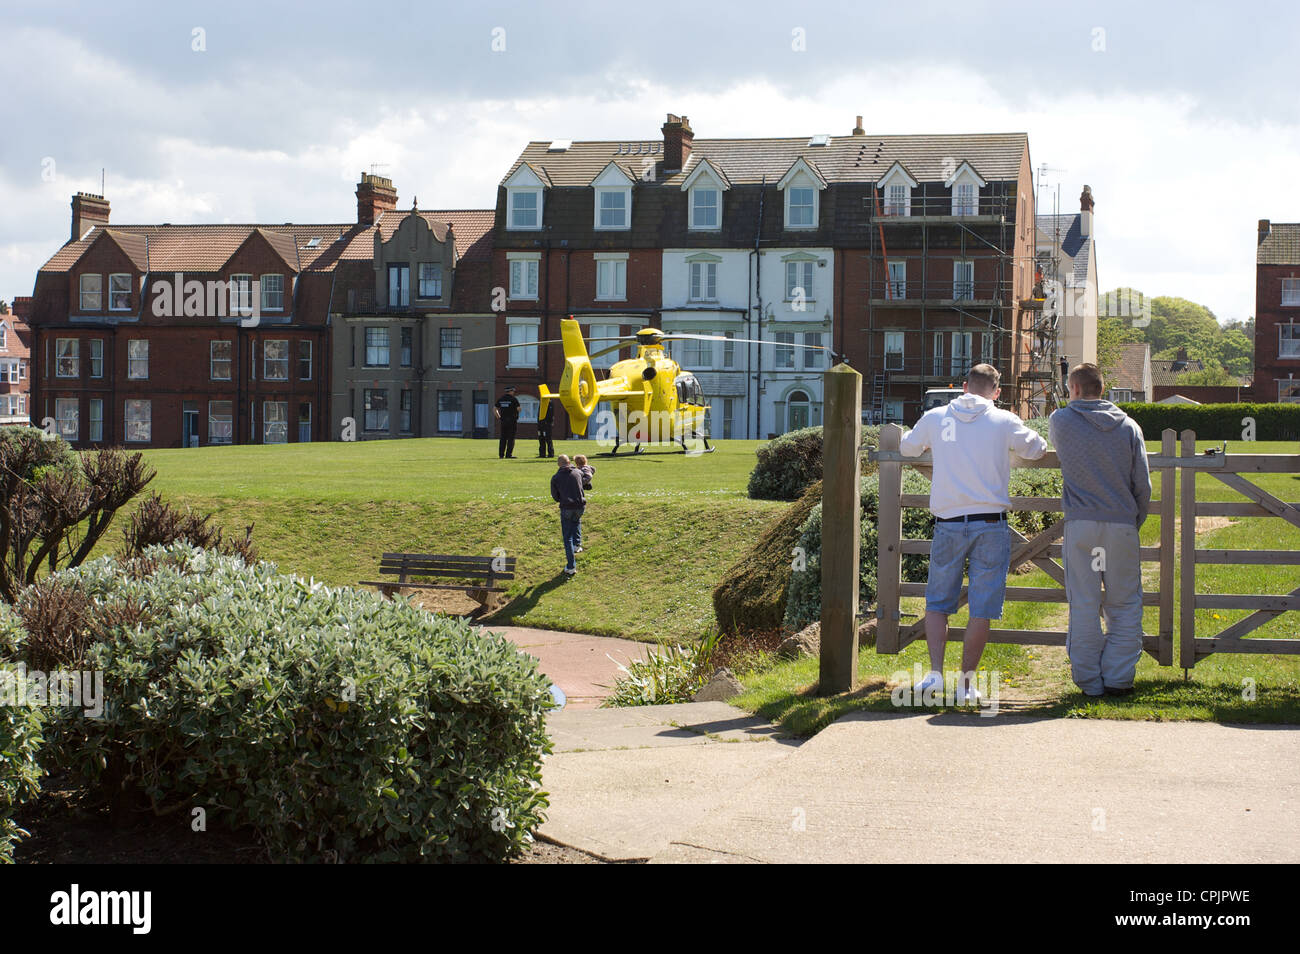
point(583, 666)
point(707, 782)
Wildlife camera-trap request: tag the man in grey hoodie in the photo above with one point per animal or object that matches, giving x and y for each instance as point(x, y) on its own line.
point(1106, 497)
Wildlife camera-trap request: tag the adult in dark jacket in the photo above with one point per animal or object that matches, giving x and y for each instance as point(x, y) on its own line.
point(566, 490)
point(545, 447)
point(507, 412)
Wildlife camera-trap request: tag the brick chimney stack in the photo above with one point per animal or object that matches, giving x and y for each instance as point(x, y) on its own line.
point(88, 209)
point(375, 194)
point(858, 130)
point(677, 142)
point(1085, 211)
point(1265, 227)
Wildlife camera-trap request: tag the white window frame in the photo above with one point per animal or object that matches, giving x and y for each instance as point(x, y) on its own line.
point(458, 411)
point(898, 338)
point(961, 358)
point(67, 418)
point(143, 425)
point(897, 278)
point(936, 355)
point(813, 359)
point(367, 411)
point(611, 276)
point(309, 356)
point(241, 293)
point(986, 347)
point(402, 291)
point(1288, 341)
point(96, 357)
point(525, 268)
point(278, 364)
point(214, 422)
point(97, 293)
point(811, 205)
point(71, 353)
point(114, 292)
point(522, 354)
point(624, 193)
point(702, 280)
point(802, 277)
point(604, 361)
point(95, 422)
point(893, 410)
point(696, 193)
point(960, 281)
point(137, 359)
point(387, 346)
point(528, 408)
point(275, 431)
point(965, 197)
point(444, 348)
point(696, 353)
point(273, 292)
point(784, 351)
point(524, 182)
point(434, 280)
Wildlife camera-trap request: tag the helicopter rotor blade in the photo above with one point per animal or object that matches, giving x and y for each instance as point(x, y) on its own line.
point(782, 344)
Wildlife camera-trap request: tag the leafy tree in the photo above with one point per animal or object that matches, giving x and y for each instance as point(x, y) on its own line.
point(4, 307)
point(1112, 335)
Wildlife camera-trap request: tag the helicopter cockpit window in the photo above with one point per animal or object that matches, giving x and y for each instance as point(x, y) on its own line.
point(689, 390)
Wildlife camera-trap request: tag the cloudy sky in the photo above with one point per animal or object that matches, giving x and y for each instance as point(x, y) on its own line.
point(1187, 129)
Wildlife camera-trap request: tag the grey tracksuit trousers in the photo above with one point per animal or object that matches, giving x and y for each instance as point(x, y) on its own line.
point(1103, 576)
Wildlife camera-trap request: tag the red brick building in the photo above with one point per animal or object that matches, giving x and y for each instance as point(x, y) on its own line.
point(189, 335)
point(15, 366)
point(1277, 306)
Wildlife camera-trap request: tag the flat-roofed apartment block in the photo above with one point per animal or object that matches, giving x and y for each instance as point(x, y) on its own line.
point(1277, 308)
point(414, 296)
point(15, 366)
point(183, 335)
point(934, 239)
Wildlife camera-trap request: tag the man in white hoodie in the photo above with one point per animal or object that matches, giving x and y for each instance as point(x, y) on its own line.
point(970, 442)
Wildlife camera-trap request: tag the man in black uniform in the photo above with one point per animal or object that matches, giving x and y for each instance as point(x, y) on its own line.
point(545, 447)
point(507, 412)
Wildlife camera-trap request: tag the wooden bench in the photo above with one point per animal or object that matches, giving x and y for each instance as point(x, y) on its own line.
point(482, 572)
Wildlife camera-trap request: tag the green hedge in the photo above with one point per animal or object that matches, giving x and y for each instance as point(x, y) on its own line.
point(790, 464)
point(1217, 422)
point(20, 740)
point(338, 724)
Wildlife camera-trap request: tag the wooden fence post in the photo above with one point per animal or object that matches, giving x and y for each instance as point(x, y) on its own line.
point(841, 520)
point(1187, 556)
point(889, 535)
point(1168, 507)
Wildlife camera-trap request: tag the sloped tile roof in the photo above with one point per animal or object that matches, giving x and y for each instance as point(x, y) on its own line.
point(207, 248)
point(1168, 370)
point(1128, 373)
point(995, 156)
point(1281, 246)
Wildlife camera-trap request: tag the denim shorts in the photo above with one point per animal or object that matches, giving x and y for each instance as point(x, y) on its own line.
point(988, 547)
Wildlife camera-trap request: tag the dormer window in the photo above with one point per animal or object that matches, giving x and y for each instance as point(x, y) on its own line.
point(524, 199)
point(613, 198)
point(92, 292)
point(119, 292)
point(896, 187)
point(801, 185)
point(965, 184)
point(704, 188)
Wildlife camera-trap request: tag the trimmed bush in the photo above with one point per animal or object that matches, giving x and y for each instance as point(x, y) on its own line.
point(804, 603)
point(338, 724)
point(20, 741)
point(1217, 422)
point(787, 465)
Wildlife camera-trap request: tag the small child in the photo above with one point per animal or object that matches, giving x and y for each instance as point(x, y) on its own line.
point(587, 471)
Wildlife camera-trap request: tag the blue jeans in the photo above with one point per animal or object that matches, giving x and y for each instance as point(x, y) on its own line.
point(571, 530)
point(988, 547)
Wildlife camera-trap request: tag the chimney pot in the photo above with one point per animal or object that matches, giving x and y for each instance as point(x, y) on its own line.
point(1085, 199)
point(857, 129)
point(88, 209)
point(678, 137)
point(375, 195)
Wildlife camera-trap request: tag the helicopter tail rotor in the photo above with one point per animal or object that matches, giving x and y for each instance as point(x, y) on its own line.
point(577, 392)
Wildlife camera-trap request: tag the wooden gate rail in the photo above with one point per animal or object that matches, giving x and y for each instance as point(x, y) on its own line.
point(1043, 550)
point(1227, 469)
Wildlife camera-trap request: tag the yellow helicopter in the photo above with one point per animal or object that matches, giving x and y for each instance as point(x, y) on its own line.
point(654, 399)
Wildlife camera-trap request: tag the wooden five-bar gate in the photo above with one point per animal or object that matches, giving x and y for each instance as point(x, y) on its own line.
point(840, 522)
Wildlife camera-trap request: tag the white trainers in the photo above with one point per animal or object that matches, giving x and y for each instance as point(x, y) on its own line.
point(568, 572)
point(968, 696)
point(577, 549)
point(932, 682)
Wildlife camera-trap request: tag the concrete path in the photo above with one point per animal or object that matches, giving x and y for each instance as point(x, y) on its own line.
point(581, 665)
point(624, 782)
point(881, 788)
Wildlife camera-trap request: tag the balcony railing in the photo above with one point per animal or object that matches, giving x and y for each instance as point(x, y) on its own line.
point(935, 206)
point(938, 289)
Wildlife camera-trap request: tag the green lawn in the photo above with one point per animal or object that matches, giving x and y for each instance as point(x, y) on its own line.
point(1037, 679)
point(661, 527)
